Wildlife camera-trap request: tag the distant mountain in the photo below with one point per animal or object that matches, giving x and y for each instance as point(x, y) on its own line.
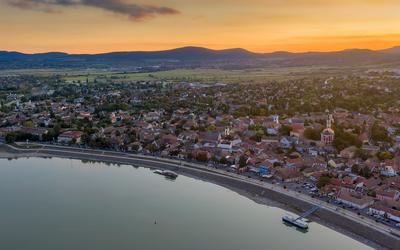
point(184, 54)
point(394, 50)
point(198, 57)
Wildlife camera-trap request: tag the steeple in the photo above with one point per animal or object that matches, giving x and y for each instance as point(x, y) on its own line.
point(329, 121)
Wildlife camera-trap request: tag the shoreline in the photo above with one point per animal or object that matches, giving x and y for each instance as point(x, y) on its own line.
point(258, 194)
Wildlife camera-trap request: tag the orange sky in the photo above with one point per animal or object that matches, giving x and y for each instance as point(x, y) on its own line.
point(88, 26)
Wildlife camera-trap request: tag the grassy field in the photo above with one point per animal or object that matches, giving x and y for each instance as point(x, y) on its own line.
point(204, 75)
point(208, 75)
point(27, 146)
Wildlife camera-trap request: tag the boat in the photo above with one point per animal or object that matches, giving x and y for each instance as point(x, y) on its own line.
point(166, 173)
point(158, 171)
point(298, 222)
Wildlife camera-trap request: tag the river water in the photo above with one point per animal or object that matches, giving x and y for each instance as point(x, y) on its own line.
point(67, 204)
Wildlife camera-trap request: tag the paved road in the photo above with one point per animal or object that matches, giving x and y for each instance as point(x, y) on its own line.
point(124, 158)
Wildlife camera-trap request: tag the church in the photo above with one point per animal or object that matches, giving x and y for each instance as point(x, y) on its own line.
point(328, 135)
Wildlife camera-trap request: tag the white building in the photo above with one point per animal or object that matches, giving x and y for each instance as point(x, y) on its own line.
point(388, 171)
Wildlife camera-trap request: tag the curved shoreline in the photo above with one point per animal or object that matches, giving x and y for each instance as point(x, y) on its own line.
point(373, 235)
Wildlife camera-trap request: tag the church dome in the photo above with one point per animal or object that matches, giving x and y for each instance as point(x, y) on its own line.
point(328, 131)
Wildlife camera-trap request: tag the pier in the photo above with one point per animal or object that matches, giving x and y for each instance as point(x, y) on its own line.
point(299, 221)
point(308, 212)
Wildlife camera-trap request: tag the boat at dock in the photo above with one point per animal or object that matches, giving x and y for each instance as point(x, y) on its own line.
point(166, 173)
point(298, 222)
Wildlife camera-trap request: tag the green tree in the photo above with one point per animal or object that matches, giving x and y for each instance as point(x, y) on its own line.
point(11, 137)
point(379, 133)
point(285, 130)
point(223, 160)
point(355, 169)
point(242, 161)
point(365, 172)
point(322, 181)
point(312, 134)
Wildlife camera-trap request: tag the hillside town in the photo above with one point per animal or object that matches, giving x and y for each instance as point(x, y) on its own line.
point(337, 139)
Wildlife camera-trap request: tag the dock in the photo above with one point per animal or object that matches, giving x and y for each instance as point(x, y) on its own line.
point(299, 221)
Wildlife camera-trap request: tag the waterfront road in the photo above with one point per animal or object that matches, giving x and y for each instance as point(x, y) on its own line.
point(157, 162)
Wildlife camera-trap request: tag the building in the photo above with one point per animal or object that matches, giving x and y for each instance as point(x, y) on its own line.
point(384, 211)
point(349, 153)
point(387, 194)
point(37, 132)
point(70, 137)
point(328, 135)
point(288, 175)
point(388, 171)
point(354, 200)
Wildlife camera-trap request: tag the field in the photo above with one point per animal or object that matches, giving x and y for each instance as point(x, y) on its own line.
point(208, 75)
point(250, 75)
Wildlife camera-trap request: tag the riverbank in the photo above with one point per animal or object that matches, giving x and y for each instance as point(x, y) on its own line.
point(372, 235)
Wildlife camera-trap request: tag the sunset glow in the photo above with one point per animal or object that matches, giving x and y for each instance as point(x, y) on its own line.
point(87, 26)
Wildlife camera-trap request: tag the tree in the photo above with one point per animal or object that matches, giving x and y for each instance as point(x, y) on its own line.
point(355, 169)
point(11, 137)
point(362, 154)
point(322, 181)
point(223, 161)
point(379, 133)
point(28, 124)
point(256, 127)
point(202, 156)
point(312, 134)
point(285, 130)
point(344, 139)
point(152, 148)
point(384, 155)
point(365, 172)
point(242, 161)
point(258, 136)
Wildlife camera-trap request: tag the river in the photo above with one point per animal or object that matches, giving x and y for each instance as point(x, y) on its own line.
point(68, 204)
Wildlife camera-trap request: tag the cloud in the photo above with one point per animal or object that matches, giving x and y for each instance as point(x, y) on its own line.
point(131, 10)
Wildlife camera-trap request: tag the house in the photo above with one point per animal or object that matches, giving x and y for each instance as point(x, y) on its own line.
point(354, 200)
point(209, 138)
point(387, 194)
point(371, 183)
point(385, 211)
point(348, 153)
point(70, 137)
point(295, 162)
point(370, 149)
point(38, 132)
point(225, 145)
point(4, 131)
point(152, 116)
point(387, 168)
point(85, 115)
point(272, 131)
point(297, 130)
point(169, 139)
point(272, 122)
point(288, 175)
point(288, 142)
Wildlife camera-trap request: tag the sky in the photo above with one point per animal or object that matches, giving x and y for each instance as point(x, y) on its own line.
point(94, 26)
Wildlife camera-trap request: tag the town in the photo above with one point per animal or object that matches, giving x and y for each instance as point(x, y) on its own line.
point(336, 139)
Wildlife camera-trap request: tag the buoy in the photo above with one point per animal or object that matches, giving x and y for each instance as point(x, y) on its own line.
point(155, 222)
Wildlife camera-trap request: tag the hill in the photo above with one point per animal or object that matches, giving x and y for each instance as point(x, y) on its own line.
point(190, 57)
